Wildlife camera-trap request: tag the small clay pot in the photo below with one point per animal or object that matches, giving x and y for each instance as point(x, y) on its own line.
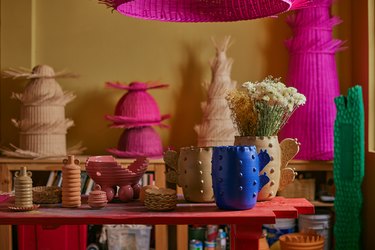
point(97, 198)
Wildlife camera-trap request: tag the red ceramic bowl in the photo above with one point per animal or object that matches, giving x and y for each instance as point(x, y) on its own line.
point(105, 171)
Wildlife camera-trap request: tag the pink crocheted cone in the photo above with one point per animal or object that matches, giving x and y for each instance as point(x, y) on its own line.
point(312, 70)
point(138, 142)
point(137, 107)
point(202, 10)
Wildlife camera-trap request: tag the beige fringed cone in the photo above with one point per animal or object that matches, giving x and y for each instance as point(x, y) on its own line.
point(217, 128)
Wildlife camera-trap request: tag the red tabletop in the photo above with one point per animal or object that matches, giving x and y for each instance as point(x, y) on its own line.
point(246, 224)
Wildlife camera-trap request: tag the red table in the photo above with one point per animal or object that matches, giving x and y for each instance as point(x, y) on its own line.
point(246, 225)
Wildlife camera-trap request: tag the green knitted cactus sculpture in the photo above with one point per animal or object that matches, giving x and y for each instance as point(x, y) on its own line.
point(349, 169)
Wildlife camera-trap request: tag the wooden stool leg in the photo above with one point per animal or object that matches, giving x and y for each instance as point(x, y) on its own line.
point(245, 237)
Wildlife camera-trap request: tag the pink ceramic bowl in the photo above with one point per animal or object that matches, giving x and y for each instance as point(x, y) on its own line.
point(106, 172)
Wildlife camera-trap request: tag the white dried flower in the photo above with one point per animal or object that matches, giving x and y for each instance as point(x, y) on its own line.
point(274, 102)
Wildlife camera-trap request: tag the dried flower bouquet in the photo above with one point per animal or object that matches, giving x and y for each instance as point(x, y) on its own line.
point(263, 108)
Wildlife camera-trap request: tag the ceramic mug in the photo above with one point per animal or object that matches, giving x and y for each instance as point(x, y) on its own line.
point(235, 176)
point(191, 170)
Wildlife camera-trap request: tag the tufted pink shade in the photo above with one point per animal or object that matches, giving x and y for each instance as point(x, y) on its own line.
point(312, 70)
point(138, 142)
point(202, 10)
point(136, 107)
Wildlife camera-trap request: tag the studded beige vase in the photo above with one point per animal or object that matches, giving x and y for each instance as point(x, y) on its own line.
point(281, 153)
point(191, 170)
point(71, 183)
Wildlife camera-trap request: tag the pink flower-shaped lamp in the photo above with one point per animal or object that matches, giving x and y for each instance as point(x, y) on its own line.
point(108, 173)
point(202, 10)
point(137, 107)
point(138, 142)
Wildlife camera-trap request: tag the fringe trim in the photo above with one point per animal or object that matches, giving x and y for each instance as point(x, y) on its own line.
point(297, 23)
point(26, 154)
point(16, 73)
point(57, 127)
point(54, 101)
point(299, 4)
point(315, 47)
point(125, 86)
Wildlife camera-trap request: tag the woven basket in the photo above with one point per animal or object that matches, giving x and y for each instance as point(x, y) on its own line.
point(163, 199)
point(202, 10)
point(295, 241)
point(300, 188)
point(47, 195)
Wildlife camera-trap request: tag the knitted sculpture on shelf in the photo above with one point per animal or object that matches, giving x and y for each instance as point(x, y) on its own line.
point(202, 10)
point(349, 169)
point(43, 126)
point(217, 128)
point(312, 70)
point(136, 112)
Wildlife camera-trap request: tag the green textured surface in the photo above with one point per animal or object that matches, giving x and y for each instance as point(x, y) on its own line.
point(346, 151)
point(349, 159)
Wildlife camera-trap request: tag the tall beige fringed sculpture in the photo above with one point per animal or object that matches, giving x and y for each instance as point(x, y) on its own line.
point(42, 125)
point(217, 128)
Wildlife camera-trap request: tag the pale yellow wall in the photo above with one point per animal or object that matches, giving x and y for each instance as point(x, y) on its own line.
point(88, 39)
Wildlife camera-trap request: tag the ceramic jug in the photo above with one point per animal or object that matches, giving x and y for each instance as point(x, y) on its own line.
point(23, 185)
point(97, 198)
point(281, 153)
point(71, 183)
point(235, 176)
point(191, 170)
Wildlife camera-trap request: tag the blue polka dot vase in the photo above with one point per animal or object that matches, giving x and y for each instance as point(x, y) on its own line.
point(235, 176)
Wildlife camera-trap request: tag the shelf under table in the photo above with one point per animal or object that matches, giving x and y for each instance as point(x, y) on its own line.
point(246, 225)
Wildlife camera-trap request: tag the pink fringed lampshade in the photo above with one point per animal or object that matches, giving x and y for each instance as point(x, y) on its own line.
point(312, 70)
point(137, 107)
point(138, 142)
point(202, 10)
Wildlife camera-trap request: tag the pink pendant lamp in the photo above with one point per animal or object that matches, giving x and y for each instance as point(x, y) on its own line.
point(136, 108)
point(312, 70)
point(136, 112)
point(202, 10)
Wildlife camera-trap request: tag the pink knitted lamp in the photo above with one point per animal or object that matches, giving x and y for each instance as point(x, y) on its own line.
point(136, 112)
point(202, 10)
point(136, 108)
point(138, 142)
point(312, 70)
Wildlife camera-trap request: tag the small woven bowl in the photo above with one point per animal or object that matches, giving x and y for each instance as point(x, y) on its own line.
point(47, 195)
point(163, 199)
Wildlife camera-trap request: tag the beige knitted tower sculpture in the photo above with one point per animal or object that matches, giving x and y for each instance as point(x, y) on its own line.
point(71, 182)
point(42, 125)
point(217, 128)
